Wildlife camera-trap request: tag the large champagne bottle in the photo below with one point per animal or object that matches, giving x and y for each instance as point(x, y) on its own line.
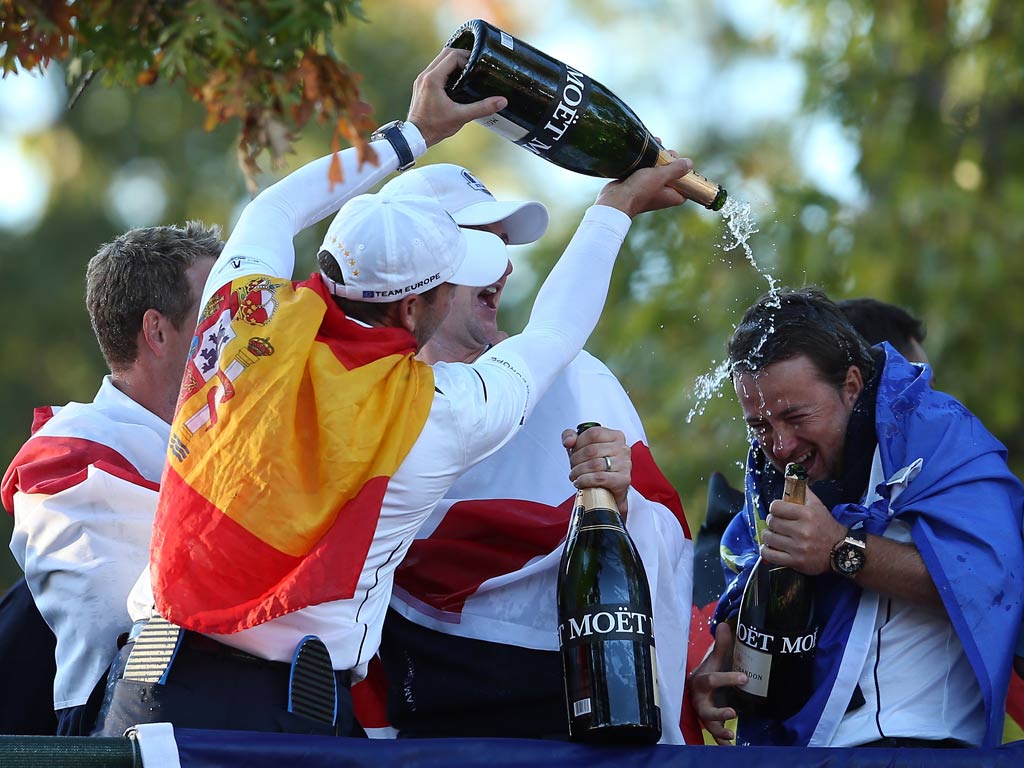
point(559, 113)
point(776, 632)
point(605, 629)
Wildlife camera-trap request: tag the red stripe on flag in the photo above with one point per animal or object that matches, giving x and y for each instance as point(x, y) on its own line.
point(481, 539)
point(352, 344)
point(40, 416)
point(700, 642)
point(370, 697)
point(478, 540)
point(50, 465)
point(1015, 700)
point(212, 575)
point(652, 484)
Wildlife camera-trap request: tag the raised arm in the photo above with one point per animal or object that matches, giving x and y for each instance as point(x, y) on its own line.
point(570, 301)
point(262, 239)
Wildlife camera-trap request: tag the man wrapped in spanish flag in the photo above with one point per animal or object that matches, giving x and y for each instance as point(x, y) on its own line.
point(309, 444)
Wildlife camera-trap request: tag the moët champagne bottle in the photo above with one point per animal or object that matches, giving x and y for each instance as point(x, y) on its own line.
point(605, 628)
point(776, 631)
point(560, 114)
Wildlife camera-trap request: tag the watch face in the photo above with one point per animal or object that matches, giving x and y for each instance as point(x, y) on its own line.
point(849, 558)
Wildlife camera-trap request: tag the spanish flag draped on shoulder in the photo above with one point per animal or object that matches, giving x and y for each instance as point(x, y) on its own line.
point(290, 422)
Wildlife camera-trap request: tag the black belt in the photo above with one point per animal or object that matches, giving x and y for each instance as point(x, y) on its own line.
point(908, 741)
point(312, 680)
point(207, 645)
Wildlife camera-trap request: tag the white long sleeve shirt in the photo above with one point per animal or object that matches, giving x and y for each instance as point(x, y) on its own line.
point(476, 409)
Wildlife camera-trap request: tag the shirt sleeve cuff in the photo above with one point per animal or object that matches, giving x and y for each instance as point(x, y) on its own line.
point(415, 138)
point(609, 217)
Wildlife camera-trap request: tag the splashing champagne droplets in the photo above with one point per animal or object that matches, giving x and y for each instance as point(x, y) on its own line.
point(741, 225)
point(707, 385)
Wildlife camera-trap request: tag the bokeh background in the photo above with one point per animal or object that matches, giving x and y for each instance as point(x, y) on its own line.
point(878, 144)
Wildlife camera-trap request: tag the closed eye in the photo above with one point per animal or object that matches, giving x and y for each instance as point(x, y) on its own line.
point(758, 428)
point(797, 418)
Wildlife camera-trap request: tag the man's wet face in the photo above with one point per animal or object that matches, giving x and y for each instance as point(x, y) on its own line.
point(796, 416)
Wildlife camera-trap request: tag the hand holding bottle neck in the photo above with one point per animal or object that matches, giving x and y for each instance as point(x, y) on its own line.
point(693, 186)
point(600, 459)
point(647, 189)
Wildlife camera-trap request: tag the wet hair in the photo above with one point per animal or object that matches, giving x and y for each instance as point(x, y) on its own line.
point(143, 269)
point(878, 321)
point(786, 323)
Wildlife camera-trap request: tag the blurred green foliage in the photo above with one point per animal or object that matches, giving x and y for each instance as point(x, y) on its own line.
point(265, 64)
point(928, 95)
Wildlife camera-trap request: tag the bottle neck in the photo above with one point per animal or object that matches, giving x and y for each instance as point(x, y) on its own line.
point(795, 490)
point(596, 506)
point(595, 498)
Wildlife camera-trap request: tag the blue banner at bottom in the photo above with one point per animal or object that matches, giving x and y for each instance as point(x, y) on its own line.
point(199, 749)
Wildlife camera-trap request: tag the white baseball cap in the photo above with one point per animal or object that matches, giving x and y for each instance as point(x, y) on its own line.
point(469, 202)
point(388, 247)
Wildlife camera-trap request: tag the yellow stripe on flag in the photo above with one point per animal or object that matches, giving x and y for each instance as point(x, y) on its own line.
point(283, 439)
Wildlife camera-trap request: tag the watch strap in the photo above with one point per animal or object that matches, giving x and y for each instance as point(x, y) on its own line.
point(392, 133)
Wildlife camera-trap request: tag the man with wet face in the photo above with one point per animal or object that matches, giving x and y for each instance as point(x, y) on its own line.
point(910, 524)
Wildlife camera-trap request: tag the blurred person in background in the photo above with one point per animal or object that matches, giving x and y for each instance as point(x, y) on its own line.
point(879, 321)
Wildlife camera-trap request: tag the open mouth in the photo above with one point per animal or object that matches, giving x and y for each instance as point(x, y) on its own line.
point(806, 459)
point(490, 296)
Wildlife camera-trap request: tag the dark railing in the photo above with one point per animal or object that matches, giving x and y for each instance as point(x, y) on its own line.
point(68, 752)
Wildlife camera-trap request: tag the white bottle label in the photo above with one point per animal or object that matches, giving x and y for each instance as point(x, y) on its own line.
point(572, 102)
point(654, 677)
point(503, 127)
point(757, 666)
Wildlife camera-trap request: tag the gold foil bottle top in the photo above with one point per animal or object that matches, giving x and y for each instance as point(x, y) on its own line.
point(697, 188)
point(796, 483)
point(596, 498)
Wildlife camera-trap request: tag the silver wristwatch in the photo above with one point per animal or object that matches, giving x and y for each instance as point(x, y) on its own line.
point(392, 132)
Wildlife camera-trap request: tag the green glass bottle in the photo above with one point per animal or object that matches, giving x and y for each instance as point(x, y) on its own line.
point(560, 114)
point(776, 631)
point(605, 628)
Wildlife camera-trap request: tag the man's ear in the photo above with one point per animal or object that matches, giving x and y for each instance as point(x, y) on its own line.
point(154, 331)
point(853, 385)
point(409, 312)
